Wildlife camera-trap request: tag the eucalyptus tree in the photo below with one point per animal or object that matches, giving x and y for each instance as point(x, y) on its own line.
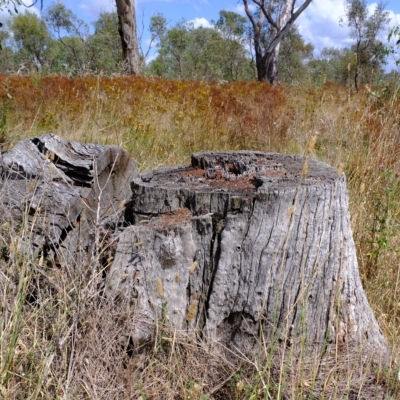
point(331, 66)
point(32, 39)
point(171, 59)
point(294, 56)
point(7, 55)
point(72, 33)
point(271, 22)
point(233, 29)
point(365, 29)
point(210, 54)
point(105, 43)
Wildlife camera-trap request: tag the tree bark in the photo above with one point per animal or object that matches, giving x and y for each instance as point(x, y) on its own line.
point(67, 193)
point(127, 31)
point(242, 246)
point(251, 251)
point(267, 54)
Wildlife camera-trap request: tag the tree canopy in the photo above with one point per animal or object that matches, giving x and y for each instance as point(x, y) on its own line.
point(265, 44)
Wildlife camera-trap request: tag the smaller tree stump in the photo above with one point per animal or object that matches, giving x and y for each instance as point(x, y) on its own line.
point(66, 191)
point(242, 246)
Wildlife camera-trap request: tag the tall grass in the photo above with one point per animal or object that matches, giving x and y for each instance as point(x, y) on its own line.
point(45, 350)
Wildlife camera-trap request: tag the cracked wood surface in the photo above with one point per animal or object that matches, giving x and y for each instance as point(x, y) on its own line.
point(65, 190)
point(243, 243)
point(233, 246)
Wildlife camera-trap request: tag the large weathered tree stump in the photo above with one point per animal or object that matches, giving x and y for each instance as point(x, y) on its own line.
point(246, 249)
point(243, 244)
point(66, 191)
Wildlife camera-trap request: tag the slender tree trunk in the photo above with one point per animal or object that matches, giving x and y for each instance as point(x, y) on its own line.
point(357, 67)
point(127, 32)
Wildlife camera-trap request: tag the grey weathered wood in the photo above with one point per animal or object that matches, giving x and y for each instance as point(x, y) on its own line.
point(65, 190)
point(240, 243)
point(234, 246)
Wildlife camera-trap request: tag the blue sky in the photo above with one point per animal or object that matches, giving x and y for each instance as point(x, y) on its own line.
point(319, 24)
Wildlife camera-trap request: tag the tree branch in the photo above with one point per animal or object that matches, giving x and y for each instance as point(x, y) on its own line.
point(249, 14)
point(282, 33)
point(266, 13)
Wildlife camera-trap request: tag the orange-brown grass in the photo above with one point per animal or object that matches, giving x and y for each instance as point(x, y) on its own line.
point(158, 121)
point(162, 122)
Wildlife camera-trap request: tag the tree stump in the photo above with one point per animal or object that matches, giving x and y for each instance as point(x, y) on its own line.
point(245, 247)
point(67, 192)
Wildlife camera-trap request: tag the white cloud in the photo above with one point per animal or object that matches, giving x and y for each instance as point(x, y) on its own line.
point(320, 25)
point(239, 8)
point(197, 22)
point(394, 19)
point(95, 7)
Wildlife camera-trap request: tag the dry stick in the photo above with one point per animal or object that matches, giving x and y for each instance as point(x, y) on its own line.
point(72, 356)
point(222, 384)
point(173, 346)
point(92, 385)
point(98, 210)
point(35, 118)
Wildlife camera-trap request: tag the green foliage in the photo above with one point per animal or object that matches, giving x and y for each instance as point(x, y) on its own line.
point(364, 29)
point(32, 38)
point(202, 53)
point(7, 55)
point(72, 33)
point(332, 66)
point(105, 44)
point(293, 56)
point(385, 219)
point(231, 25)
point(394, 44)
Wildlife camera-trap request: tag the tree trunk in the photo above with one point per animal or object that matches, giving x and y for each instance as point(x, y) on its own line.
point(241, 246)
point(267, 55)
point(267, 67)
point(127, 31)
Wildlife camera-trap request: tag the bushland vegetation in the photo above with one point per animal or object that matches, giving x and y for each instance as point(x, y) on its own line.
point(161, 122)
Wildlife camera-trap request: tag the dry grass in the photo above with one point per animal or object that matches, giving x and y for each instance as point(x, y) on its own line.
point(60, 340)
